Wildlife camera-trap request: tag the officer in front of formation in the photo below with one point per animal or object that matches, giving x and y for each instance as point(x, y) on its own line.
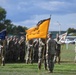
point(50, 52)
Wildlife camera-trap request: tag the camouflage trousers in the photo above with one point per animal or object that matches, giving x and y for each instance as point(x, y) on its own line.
point(50, 62)
point(40, 57)
point(29, 55)
point(0, 59)
point(57, 59)
point(2, 62)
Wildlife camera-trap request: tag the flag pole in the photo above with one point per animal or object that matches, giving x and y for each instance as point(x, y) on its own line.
point(50, 16)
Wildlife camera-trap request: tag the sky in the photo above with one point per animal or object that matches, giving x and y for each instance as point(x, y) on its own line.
point(29, 12)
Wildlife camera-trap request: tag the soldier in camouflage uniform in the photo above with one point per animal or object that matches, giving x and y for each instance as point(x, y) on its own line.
point(29, 55)
point(1, 52)
point(16, 51)
point(58, 49)
point(50, 52)
point(40, 52)
point(22, 49)
point(35, 47)
point(11, 49)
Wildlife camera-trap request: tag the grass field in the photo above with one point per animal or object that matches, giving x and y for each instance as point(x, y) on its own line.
point(67, 66)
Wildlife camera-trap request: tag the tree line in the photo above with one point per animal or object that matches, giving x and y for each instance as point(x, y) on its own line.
point(71, 30)
point(7, 23)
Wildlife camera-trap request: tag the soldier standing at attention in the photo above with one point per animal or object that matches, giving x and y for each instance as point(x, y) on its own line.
point(29, 54)
point(58, 49)
point(40, 52)
point(22, 49)
point(50, 52)
point(1, 52)
point(35, 47)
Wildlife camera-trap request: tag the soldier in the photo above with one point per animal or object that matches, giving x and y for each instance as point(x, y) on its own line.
point(4, 52)
point(50, 52)
point(14, 49)
point(1, 52)
point(11, 49)
point(29, 55)
point(58, 49)
point(35, 47)
point(16, 52)
point(27, 52)
point(7, 51)
point(22, 49)
point(40, 52)
point(45, 64)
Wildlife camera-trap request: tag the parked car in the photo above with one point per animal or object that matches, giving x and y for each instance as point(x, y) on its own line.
point(74, 40)
point(69, 41)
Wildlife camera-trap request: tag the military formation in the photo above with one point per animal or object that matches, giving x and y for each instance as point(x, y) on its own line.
point(35, 50)
point(13, 49)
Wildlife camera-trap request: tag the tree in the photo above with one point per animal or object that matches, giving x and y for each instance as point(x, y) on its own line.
point(71, 30)
point(2, 14)
point(3, 20)
point(6, 23)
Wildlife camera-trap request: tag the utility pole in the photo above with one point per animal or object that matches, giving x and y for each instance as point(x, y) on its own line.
point(59, 27)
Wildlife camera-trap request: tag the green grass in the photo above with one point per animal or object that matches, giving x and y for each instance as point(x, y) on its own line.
point(68, 54)
point(29, 69)
point(67, 66)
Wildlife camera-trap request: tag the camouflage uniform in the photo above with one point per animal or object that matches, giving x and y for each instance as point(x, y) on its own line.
point(7, 51)
point(22, 49)
point(11, 50)
point(1, 52)
point(16, 51)
point(35, 47)
point(40, 52)
point(29, 55)
point(4, 52)
point(58, 49)
point(50, 53)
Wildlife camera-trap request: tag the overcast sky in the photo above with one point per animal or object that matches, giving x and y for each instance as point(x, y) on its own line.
point(29, 12)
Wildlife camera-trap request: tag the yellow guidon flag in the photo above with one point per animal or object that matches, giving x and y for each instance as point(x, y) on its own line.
point(40, 31)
